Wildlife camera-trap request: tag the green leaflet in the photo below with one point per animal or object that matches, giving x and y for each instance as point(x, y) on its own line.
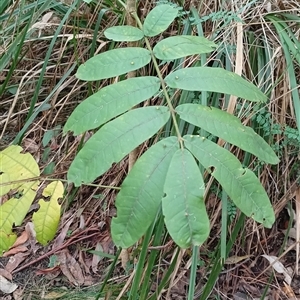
point(115, 140)
point(241, 184)
point(159, 19)
point(183, 206)
point(180, 46)
point(124, 33)
point(214, 80)
point(141, 193)
point(229, 128)
point(111, 101)
point(113, 63)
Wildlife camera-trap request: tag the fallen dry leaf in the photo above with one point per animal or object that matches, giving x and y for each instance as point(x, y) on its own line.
point(70, 268)
point(19, 294)
point(61, 237)
point(30, 145)
point(288, 291)
point(85, 262)
point(46, 271)
point(124, 256)
point(6, 286)
point(15, 250)
point(96, 258)
point(54, 295)
point(29, 227)
point(232, 260)
point(21, 239)
point(5, 274)
point(278, 266)
point(15, 261)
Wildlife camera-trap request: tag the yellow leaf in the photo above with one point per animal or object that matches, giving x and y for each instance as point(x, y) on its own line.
point(16, 173)
point(15, 166)
point(235, 259)
point(46, 219)
point(19, 175)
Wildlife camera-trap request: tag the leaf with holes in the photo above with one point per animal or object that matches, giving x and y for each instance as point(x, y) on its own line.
point(183, 205)
point(241, 184)
point(229, 128)
point(19, 183)
point(124, 33)
point(141, 193)
point(159, 19)
point(214, 80)
point(18, 173)
point(113, 63)
point(180, 46)
point(114, 141)
point(110, 102)
point(46, 219)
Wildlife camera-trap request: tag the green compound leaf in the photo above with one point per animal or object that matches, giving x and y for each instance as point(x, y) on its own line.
point(141, 193)
point(114, 141)
point(183, 206)
point(46, 219)
point(159, 19)
point(113, 63)
point(180, 46)
point(214, 80)
point(110, 102)
point(124, 33)
point(229, 128)
point(241, 184)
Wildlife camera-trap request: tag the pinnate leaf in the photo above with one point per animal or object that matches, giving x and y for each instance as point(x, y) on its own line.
point(183, 205)
point(111, 101)
point(141, 193)
point(114, 141)
point(159, 19)
point(241, 184)
point(214, 80)
point(180, 46)
point(46, 219)
point(113, 63)
point(229, 128)
point(124, 33)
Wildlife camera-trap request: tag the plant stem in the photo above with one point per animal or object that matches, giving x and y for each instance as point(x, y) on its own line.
point(172, 110)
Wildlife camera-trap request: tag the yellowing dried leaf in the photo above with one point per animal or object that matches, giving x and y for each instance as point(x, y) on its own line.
point(54, 295)
point(46, 219)
point(235, 259)
point(17, 174)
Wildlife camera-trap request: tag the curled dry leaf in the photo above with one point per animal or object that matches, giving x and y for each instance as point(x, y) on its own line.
point(278, 267)
point(96, 258)
point(21, 239)
point(15, 250)
point(29, 227)
point(61, 237)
